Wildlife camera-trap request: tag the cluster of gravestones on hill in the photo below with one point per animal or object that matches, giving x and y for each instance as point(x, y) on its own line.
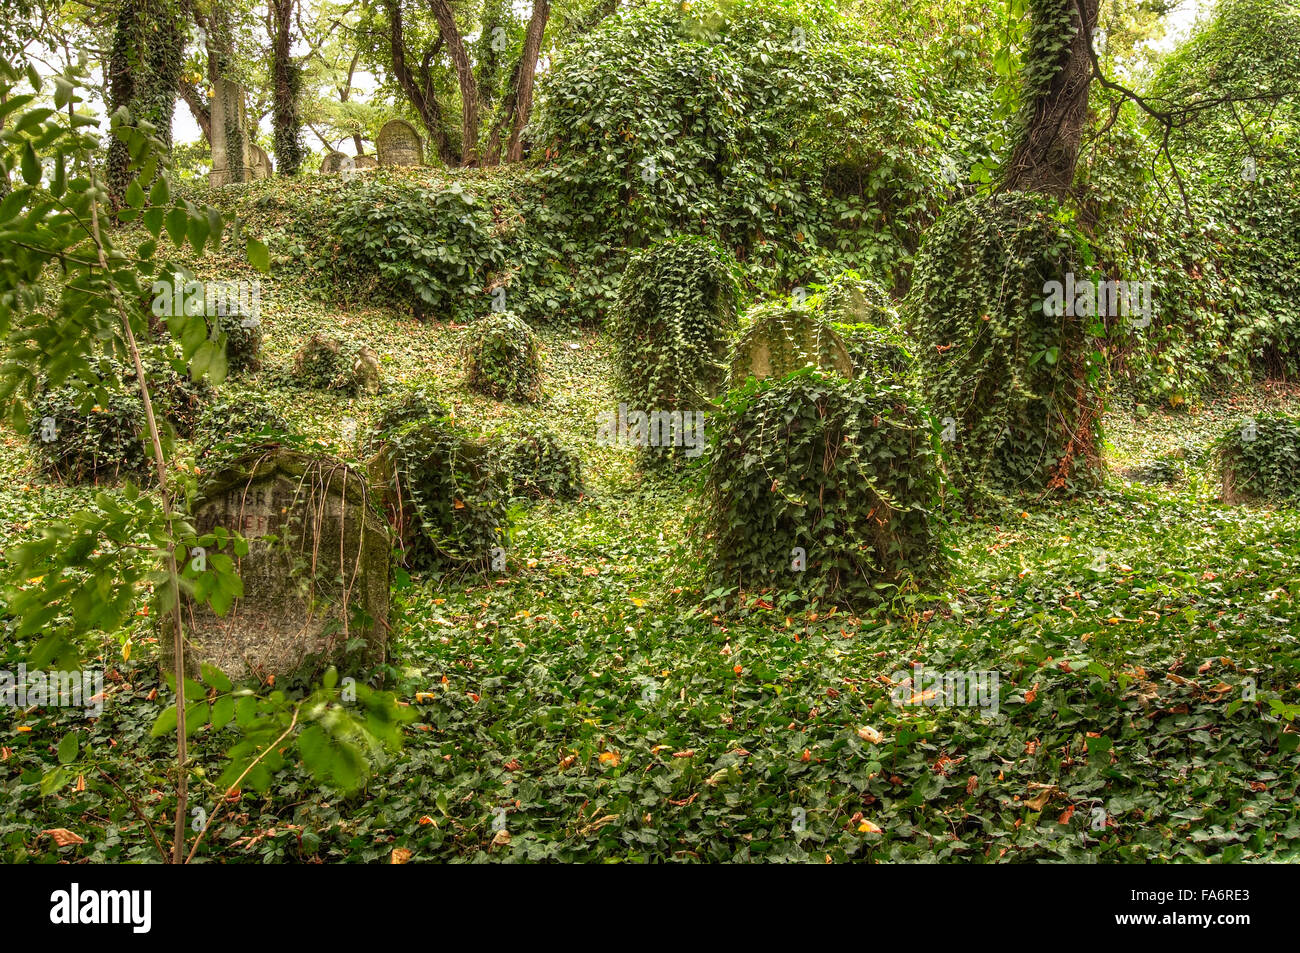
point(398, 144)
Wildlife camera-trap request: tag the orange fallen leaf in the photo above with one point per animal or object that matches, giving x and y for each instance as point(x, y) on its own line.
point(63, 837)
point(400, 855)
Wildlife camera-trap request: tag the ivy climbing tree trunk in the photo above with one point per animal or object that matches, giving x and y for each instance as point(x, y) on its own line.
point(231, 147)
point(455, 45)
point(144, 69)
point(286, 80)
point(1056, 77)
point(527, 71)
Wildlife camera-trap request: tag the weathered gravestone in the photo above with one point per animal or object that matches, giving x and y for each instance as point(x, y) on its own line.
point(332, 163)
point(399, 144)
point(317, 572)
point(260, 167)
point(780, 339)
point(365, 162)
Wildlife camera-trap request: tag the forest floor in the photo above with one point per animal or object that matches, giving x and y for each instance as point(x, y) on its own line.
point(593, 701)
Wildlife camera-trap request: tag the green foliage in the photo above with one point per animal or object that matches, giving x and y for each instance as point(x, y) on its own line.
point(444, 497)
point(850, 298)
point(539, 466)
point(414, 403)
point(876, 351)
point(865, 317)
point(243, 337)
point(672, 324)
point(502, 358)
point(1225, 266)
point(1015, 381)
point(326, 363)
point(1260, 460)
point(823, 485)
point(228, 428)
point(777, 125)
point(79, 439)
point(432, 246)
point(91, 433)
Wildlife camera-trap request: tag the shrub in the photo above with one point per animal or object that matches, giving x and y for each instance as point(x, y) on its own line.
point(502, 359)
point(87, 434)
point(1260, 460)
point(444, 498)
point(824, 485)
point(671, 116)
point(539, 466)
point(243, 341)
point(230, 427)
point(90, 435)
point(433, 245)
point(326, 363)
point(672, 323)
point(1016, 381)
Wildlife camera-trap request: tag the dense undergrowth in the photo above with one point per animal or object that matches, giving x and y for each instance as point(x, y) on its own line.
point(599, 700)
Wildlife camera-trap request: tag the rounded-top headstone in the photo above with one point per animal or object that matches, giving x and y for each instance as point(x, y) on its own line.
point(398, 144)
point(780, 339)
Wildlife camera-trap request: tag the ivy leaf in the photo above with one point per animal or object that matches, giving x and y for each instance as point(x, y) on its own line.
point(258, 255)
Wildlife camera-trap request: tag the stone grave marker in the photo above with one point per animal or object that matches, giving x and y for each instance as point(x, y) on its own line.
point(399, 144)
point(317, 572)
point(781, 339)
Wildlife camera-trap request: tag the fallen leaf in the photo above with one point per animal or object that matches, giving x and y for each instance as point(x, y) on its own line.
point(63, 837)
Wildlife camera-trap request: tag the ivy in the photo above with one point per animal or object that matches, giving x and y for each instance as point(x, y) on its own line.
point(676, 310)
point(824, 486)
point(1015, 382)
point(502, 358)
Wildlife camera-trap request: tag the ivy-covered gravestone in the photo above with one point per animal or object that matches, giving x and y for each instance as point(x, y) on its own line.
point(779, 339)
point(317, 573)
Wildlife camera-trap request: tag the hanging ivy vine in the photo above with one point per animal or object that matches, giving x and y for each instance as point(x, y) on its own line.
point(1015, 383)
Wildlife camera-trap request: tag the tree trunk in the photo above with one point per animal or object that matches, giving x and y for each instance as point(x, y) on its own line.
point(1057, 74)
point(527, 71)
point(286, 81)
point(499, 125)
point(464, 77)
point(144, 68)
point(421, 95)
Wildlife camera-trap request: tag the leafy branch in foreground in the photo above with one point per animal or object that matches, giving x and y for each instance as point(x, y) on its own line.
point(86, 574)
